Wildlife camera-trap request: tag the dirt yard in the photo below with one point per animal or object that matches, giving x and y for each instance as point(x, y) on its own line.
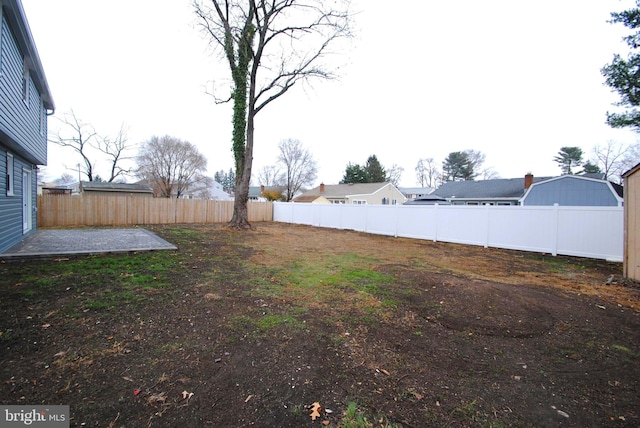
point(251, 328)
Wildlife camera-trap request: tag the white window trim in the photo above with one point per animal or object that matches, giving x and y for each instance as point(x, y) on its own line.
point(10, 174)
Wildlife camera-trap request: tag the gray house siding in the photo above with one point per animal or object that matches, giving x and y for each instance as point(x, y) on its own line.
point(11, 206)
point(21, 124)
point(570, 191)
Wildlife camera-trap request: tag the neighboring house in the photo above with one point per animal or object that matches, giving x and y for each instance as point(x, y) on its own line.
point(356, 193)
point(312, 199)
point(25, 103)
point(574, 190)
point(213, 191)
point(256, 192)
point(416, 192)
point(566, 190)
point(631, 258)
point(501, 191)
point(115, 189)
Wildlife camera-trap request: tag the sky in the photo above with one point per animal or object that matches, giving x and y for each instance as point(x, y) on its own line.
point(515, 80)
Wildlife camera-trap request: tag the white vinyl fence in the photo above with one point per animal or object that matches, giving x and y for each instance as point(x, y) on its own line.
point(595, 232)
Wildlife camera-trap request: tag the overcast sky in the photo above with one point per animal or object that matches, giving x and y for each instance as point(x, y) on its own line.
point(516, 80)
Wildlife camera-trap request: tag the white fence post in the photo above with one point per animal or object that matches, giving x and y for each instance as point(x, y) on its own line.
point(556, 227)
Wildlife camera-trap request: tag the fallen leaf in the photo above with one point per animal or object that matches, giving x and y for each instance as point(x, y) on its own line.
point(385, 372)
point(46, 325)
point(314, 410)
point(136, 391)
point(185, 394)
point(325, 422)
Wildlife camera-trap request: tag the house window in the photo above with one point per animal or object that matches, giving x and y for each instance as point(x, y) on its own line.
point(25, 82)
point(385, 201)
point(359, 202)
point(10, 175)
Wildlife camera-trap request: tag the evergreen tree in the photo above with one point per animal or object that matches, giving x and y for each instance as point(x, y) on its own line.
point(569, 157)
point(458, 166)
point(623, 75)
point(590, 168)
point(374, 171)
point(354, 173)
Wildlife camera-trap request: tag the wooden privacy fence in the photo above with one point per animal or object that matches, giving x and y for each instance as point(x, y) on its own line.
point(65, 210)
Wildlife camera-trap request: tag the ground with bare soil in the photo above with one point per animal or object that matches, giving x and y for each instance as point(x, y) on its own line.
point(251, 328)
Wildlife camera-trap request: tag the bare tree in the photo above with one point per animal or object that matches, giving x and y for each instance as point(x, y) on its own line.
point(270, 176)
point(394, 174)
point(489, 174)
point(116, 150)
point(171, 166)
point(298, 165)
point(427, 173)
point(82, 138)
point(614, 159)
point(476, 158)
point(270, 45)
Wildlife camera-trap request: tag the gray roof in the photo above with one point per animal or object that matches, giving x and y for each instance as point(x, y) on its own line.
point(115, 187)
point(416, 190)
point(507, 188)
point(344, 190)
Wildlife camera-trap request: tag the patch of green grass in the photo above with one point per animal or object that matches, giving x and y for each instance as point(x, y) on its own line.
point(269, 322)
point(262, 324)
point(324, 281)
point(356, 418)
point(96, 305)
point(470, 415)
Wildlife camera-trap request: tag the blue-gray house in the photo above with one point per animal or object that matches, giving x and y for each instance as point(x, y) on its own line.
point(565, 190)
point(574, 190)
point(25, 103)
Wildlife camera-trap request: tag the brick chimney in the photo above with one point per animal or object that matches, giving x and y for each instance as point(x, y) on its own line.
point(528, 180)
point(321, 187)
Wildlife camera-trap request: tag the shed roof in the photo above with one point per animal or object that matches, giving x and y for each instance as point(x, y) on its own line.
point(100, 186)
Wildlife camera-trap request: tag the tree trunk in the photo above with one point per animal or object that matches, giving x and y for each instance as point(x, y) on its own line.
point(240, 219)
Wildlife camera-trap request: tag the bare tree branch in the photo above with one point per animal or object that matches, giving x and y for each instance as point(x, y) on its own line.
point(82, 139)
